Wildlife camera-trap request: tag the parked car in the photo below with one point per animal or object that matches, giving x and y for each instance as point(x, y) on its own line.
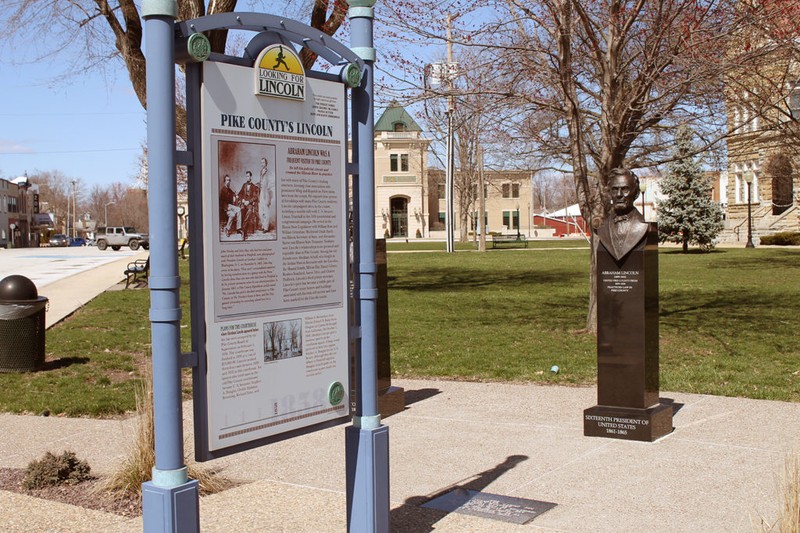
point(77, 241)
point(118, 236)
point(59, 239)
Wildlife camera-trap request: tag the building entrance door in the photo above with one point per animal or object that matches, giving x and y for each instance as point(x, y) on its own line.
point(399, 207)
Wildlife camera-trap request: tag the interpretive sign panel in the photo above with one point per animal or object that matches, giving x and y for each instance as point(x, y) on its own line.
point(275, 249)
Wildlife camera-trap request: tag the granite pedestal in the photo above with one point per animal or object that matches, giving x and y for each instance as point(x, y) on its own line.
point(627, 347)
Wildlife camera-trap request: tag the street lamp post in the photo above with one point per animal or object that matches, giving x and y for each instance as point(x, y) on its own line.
point(518, 220)
point(442, 75)
point(74, 209)
point(529, 219)
point(748, 178)
point(105, 212)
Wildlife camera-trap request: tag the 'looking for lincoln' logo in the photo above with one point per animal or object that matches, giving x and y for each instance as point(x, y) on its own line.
point(279, 73)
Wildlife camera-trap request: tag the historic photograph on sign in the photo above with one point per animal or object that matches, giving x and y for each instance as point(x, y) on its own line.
point(283, 340)
point(247, 193)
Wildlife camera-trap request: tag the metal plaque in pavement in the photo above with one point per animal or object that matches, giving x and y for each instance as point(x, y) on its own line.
point(475, 503)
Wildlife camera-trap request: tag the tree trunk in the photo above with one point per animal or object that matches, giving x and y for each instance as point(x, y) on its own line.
point(591, 315)
point(580, 170)
point(685, 243)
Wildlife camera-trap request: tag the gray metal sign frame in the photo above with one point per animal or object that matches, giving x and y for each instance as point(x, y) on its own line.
point(170, 500)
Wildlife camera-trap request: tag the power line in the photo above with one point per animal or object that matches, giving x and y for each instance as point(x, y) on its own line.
point(91, 113)
point(72, 151)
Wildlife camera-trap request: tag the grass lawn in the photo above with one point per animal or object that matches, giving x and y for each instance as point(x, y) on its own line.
point(728, 319)
point(728, 324)
point(94, 359)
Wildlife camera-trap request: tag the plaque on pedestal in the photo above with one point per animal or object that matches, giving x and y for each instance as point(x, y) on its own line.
point(627, 325)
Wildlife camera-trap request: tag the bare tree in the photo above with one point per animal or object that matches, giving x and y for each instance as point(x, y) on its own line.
point(474, 126)
point(295, 334)
point(97, 31)
point(764, 101)
point(599, 84)
point(129, 207)
point(280, 339)
point(56, 196)
point(272, 339)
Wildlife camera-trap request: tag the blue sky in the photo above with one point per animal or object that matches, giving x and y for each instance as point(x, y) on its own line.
point(89, 127)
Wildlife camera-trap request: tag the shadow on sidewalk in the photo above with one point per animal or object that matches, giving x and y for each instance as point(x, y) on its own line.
point(418, 395)
point(411, 517)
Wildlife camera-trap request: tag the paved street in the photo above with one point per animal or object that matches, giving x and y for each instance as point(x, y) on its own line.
point(48, 265)
point(54, 272)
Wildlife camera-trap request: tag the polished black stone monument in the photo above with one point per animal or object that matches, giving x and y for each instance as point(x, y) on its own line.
point(628, 405)
point(391, 399)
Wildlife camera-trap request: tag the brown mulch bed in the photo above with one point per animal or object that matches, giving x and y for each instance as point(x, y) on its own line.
point(85, 494)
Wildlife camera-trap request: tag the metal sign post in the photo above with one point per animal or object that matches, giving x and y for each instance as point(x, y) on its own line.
point(367, 441)
point(170, 500)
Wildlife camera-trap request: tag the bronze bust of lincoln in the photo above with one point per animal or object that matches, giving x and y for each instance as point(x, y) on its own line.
point(625, 227)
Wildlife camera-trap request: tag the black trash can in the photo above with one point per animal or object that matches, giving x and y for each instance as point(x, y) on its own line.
point(22, 325)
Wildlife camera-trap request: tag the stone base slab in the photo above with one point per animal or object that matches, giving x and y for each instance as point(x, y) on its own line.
point(628, 423)
point(391, 401)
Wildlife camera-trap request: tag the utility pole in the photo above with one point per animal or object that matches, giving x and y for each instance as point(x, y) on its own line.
point(74, 208)
point(481, 203)
point(449, 188)
point(66, 222)
point(531, 206)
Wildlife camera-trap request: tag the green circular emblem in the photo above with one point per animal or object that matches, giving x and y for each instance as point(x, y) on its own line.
point(335, 393)
point(199, 46)
point(351, 75)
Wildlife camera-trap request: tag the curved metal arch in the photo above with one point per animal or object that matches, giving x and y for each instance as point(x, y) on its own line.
point(321, 44)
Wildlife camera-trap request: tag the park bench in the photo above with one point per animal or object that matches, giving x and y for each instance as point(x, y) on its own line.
point(511, 240)
point(137, 270)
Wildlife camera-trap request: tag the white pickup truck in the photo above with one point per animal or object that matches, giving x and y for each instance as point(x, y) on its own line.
point(118, 236)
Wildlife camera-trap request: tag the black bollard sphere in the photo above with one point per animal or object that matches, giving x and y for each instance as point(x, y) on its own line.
point(16, 288)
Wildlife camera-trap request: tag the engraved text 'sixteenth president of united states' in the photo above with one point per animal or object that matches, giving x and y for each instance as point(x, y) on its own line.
point(623, 229)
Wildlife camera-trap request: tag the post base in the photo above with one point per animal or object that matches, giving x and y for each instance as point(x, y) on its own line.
point(628, 423)
point(172, 509)
point(367, 458)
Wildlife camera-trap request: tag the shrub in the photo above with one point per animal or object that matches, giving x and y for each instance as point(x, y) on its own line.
point(789, 512)
point(785, 238)
point(64, 469)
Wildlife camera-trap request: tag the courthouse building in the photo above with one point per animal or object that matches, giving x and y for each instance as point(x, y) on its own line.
point(763, 121)
point(401, 179)
point(410, 197)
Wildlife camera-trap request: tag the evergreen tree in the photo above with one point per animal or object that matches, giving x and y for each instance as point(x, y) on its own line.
point(688, 215)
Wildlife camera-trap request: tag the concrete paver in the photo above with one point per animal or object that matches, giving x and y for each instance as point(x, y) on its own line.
point(707, 475)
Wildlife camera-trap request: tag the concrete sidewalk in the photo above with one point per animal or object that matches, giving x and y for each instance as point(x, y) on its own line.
point(70, 294)
point(718, 471)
